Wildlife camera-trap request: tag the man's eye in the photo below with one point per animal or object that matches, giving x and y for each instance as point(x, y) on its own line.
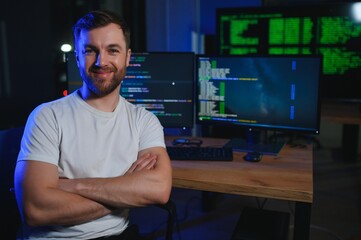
point(113, 51)
point(88, 51)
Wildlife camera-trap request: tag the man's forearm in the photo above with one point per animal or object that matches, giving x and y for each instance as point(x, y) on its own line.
point(148, 181)
point(131, 190)
point(72, 209)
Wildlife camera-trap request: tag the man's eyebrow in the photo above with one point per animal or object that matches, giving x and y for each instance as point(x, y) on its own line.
point(90, 46)
point(114, 45)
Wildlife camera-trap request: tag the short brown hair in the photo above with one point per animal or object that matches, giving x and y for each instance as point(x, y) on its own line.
point(100, 18)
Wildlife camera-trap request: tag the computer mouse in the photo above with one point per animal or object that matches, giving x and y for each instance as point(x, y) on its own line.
point(253, 157)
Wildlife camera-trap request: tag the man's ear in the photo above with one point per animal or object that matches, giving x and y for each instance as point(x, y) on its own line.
point(128, 57)
point(76, 57)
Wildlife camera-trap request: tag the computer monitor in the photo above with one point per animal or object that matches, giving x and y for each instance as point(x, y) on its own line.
point(332, 30)
point(162, 82)
point(279, 93)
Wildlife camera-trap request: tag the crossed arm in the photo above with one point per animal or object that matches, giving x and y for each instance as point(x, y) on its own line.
point(44, 199)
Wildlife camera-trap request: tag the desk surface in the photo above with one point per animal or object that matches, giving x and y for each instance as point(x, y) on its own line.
point(288, 176)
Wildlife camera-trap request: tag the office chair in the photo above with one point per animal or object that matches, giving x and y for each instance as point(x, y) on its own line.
point(151, 227)
point(9, 148)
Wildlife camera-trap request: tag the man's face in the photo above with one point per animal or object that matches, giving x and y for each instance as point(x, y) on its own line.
point(102, 58)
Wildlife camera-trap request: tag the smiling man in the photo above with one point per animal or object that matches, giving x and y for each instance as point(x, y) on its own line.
point(85, 159)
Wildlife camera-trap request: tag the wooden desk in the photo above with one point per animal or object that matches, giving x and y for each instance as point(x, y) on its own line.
point(288, 176)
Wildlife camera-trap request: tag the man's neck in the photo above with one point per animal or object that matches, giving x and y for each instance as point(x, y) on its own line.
point(106, 103)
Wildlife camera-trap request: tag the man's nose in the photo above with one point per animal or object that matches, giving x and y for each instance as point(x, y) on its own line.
point(101, 59)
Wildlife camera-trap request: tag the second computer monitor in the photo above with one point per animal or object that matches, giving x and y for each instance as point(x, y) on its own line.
point(260, 92)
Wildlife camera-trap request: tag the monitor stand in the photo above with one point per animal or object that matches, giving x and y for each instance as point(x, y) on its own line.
point(249, 145)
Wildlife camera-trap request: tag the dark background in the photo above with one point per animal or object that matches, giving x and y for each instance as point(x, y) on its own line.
point(32, 69)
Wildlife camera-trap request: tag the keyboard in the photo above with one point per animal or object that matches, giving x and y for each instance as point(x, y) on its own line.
point(200, 153)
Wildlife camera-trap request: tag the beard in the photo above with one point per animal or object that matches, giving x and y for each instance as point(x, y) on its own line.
point(100, 86)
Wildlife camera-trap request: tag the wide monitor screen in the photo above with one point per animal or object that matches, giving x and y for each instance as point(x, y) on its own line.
point(259, 92)
point(332, 30)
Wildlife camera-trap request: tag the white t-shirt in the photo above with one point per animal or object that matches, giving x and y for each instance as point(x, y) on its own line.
point(85, 142)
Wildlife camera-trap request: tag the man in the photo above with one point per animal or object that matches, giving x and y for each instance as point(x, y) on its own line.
point(88, 157)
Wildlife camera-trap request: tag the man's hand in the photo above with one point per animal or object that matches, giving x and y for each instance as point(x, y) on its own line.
point(144, 162)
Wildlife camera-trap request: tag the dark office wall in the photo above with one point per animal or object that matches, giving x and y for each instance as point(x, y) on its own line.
point(170, 24)
point(26, 43)
point(134, 13)
point(32, 69)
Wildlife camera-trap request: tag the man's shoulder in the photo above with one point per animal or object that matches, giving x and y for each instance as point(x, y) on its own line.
point(56, 104)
